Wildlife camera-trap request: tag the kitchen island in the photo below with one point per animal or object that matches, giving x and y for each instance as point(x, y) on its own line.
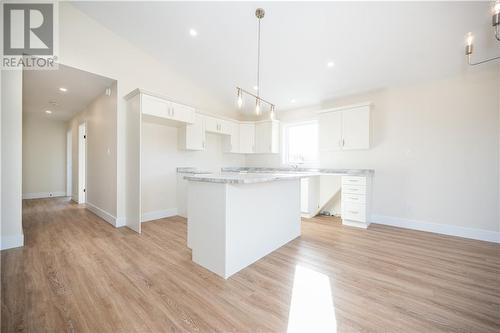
point(235, 219)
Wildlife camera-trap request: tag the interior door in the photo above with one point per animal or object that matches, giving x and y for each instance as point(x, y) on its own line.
point(82, 163)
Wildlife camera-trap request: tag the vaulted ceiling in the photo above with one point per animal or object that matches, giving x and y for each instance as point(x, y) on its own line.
point(372, 44)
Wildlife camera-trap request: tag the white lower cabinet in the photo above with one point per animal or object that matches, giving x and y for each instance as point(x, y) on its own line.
point(356, 200)
point(309, 196)
point(247, 138)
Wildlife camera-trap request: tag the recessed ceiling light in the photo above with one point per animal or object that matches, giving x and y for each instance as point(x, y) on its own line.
point(292, 100)
point(193, 32)
point(255, 88)
point(48, 112)
point(63, 89)
point(330, 64)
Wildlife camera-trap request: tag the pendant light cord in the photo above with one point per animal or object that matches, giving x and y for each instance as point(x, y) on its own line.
point(258, 62)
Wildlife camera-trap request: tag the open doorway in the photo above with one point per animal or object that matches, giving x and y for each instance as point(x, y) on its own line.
point(59, 108)
point(82, 162)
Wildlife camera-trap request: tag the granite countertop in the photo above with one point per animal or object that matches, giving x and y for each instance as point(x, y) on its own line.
point(309, 171)
point(192, 170)
point(244, 178)
point(250, 175)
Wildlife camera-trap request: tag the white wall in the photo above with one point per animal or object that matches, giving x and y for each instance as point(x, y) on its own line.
point(87, 45)
point(100, 118)
point(44, 156)
point(11, 144)
point(161, 157)
point(435, 151)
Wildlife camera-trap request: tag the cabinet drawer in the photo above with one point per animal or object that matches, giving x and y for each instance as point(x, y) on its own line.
point(353, 189)
point(353, 180)
point(354, 212)
point(353, 198)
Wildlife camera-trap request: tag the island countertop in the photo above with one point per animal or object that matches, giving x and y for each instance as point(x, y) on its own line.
point(249, 175)
point(310, 171)
point(244, 178)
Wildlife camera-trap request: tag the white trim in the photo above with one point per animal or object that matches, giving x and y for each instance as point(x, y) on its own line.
point(445, 229)
point(158, 214)
point(101, 213)
point(10, 242)
point(120, 222)
point(346, 107)
point(43, 195)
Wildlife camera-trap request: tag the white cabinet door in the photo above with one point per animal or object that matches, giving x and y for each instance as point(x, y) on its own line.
point(192, 136)
point(182, 113)
point(267, 137)
point(154, 106)
point(330, 131)
point(211, 124)
point(263, 137)
point(356, 128)
point(231, 143)
point(225, 127)
point(247, 138)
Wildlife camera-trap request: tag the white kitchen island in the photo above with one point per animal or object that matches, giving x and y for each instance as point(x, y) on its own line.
point(236, 219)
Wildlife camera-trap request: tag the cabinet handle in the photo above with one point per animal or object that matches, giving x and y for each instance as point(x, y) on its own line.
point(203, 144)
point(343, 142)
point(353, 212)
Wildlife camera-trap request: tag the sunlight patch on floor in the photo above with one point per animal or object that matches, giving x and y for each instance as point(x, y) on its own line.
point(312, 308)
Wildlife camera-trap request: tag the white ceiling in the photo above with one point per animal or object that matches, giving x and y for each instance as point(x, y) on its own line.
point(41, 88)
point(373, 44)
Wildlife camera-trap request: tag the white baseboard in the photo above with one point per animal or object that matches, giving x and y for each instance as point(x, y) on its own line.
point(120, 222)
point(445, 229)
point(158, 214)
point(10, 242)
point(40, 195)
point(102, 214)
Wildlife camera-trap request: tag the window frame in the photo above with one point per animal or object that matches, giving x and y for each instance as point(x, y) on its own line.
point(284, 137)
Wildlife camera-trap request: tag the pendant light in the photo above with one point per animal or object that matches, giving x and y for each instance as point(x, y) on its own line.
point(469, 38)
point(259, 13)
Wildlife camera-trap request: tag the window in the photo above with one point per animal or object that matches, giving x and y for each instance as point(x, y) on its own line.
point(300, 143)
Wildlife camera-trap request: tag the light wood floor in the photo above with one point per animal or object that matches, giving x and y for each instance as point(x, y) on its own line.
point(78, 273)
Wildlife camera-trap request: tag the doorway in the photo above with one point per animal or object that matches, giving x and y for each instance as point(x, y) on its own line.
point(82, 162)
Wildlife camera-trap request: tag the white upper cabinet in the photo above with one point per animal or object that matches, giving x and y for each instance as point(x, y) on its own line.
point(267, 137)
point(345, 128)
point(330, 131)
point(182, 113)
point(247, 138)
point(231, 143)
point(166, 110)
point(211, 124)
point(192, 137)
point(217, 125)
point(356, 128)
